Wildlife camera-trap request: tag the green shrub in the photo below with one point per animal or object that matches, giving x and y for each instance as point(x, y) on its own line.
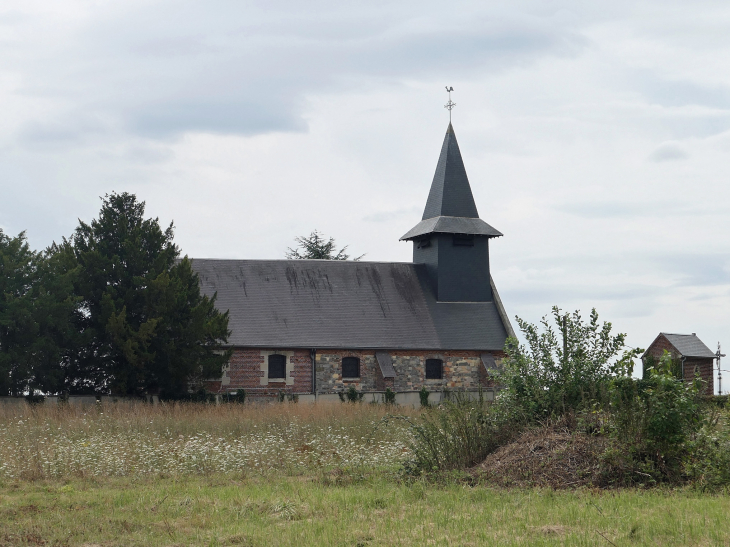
point(423, 395)
point(707, 462)
point(563, 370)
point(389, 396)
point(238, 396)
point(654, 418)
point(456, 434)
point(351, 395)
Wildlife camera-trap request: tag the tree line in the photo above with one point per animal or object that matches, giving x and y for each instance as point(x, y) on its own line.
point(112, 309)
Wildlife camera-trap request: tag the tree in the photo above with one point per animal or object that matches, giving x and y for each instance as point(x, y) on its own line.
point(570, 370)
point(17, 325)
point(36, 311)
point(147, 327)
point(315, 246)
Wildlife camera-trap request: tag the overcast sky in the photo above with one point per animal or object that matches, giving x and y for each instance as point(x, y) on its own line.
point(595, 135)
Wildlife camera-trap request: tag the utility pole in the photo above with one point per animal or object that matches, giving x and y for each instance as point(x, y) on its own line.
point(719, 370)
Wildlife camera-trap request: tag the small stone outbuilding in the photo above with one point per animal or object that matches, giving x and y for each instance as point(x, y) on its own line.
point(695, 357)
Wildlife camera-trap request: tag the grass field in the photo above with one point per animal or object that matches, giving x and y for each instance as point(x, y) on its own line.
point(291, 475)
point(257, 511)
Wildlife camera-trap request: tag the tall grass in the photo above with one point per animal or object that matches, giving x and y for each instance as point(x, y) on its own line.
point(128, 439)
point(457, 434)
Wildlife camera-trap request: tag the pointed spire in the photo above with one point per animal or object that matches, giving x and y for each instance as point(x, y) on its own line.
point(450, 193)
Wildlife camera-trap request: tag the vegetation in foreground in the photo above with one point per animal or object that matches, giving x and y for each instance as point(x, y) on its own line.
point(570, 393)
point(224, 510)
point(176, 439)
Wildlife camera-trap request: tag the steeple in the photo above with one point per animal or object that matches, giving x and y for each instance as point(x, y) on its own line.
point(451, 240)
point(450, 207)
point(450, 193)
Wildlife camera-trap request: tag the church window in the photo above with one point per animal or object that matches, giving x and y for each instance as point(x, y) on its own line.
point(277, 366)
point(463, 240)
point(350, 367)
point(434, 369)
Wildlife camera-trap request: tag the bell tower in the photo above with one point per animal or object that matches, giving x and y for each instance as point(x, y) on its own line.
point(451, 240)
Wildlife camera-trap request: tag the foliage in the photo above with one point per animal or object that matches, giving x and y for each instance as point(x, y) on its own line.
point(315, 246)
point(351, 395)
point(423, 396)
point(389, 396)
point(36, 312)
point(649, 362)
point(455, 435)
point(284, 396)
point(563, 371)
point(707, 459)
point(148, 328)
point(653, 419)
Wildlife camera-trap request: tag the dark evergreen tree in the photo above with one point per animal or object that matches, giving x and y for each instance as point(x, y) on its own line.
point(17, 326)
point(147, 326)
point(36, 310)
point(316, 246)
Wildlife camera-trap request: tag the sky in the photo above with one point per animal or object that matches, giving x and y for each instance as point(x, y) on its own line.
point(595, 135)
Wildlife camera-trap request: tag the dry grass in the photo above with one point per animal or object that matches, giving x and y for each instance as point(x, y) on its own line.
point(127, 439)
point(552, 456)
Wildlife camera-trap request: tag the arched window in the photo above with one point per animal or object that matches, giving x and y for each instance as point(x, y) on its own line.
point(277, 366)
point(434, 369)
point(350, 367)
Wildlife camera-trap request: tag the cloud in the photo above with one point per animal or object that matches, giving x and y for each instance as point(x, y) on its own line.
point(668, 152)
point(163, 69)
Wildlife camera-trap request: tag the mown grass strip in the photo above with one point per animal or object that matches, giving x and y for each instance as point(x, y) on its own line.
point(222, 510)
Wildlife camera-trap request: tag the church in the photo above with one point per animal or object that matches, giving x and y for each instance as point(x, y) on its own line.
point(314, 328)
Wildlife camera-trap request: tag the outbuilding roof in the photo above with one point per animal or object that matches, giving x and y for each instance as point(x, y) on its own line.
point(345, 304)
point(688, 345)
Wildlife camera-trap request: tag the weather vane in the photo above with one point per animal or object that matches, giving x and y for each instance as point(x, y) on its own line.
point(450, 104)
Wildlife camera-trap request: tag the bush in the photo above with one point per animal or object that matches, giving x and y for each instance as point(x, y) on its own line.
point(389, 396)
point(423, 395)
point(457, 434)
point(238, 396)
point(558, 374)
point(351, 395)
point(654, 418)
point(707, 463)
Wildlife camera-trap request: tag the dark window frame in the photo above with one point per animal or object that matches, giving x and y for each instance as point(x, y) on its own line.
point(431, 366)
point(277, 367)
point(351, 362)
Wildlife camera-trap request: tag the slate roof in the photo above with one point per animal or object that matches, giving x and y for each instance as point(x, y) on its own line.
point(451, 225)
point(450, 193)
point(688, 345)
point(450, 207)
point(344, 304)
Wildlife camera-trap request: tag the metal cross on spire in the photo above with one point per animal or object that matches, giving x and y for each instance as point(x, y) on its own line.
point(450, 105)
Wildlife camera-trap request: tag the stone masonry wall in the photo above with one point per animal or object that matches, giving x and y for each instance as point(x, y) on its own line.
point(461, 370)
point(247, 369)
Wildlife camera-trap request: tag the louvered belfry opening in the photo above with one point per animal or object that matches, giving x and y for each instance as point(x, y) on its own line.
point(277, 366)
point(350, 367)
point(434, 369)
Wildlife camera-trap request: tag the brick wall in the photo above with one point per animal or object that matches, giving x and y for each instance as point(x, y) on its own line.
point(246, 370)
point(703, 366)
